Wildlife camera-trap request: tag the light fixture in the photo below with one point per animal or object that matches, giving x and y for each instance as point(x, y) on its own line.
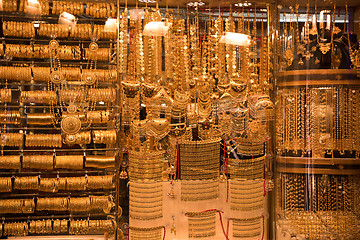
point(156, 29)
point(110, 25)
point(32, 7)
point(238, 39)
point(243, 4)
point(147, 1)
point(196, 4)
point(67, 19)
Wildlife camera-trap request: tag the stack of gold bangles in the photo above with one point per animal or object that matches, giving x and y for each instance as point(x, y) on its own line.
point(101, 54)
point(78, 138)
point(16, 229)
point(26, 183)
point(9, 5)
point(17, 206)
point(74, 162)
point(40, 118)
point(15, 73)
point(100, 10)
point(98, 116)
point(41, 227)
point(76, 8)
point(81, 31)
point(100, 161)
point(10, 162)
point(43, 140)
point(104, 136)
point(56, 184)
point(5, 184)
point(53, 30)
point(11, 139)
point(19, 29)
point(58, 226)
point(5, 93)
point(10, 117)
point(102, 94)
point(44, 97)
point(45, 162)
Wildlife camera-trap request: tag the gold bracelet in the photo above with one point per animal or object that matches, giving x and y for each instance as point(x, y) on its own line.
point(59, 204)
point(99, 162)
point(79, 204)
point(26, 183)
point(74, 162)
point(10, 162)
point(44, 162)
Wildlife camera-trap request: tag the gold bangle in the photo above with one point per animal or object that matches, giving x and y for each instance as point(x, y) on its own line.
point(44, 162)
point(26, 183)
point(12, 139)
point(79, 204)
point(10, 162)
point(76, 183)
point(99, 162)
point(60, 204)
point(49, 184)
point(74, 162)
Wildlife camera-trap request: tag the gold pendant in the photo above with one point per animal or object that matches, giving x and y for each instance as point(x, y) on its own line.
point(289, 56)
point(324, 47)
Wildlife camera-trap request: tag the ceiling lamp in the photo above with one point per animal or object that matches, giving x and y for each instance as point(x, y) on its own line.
point(238, 39)
point(196, 4)
point(110, 25)
point(243, 4)
point(147, 1)
point(156, 29)
point(67, 19)
point(32, 7)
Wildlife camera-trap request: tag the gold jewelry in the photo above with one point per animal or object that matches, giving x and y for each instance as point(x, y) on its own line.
point(73, 162)
point(59, 204)
point(98, 182)
point(99, 162)
point(79, 204)
point(10, 162)
point(11, 139)
point(5, 184)
point(44, 162)
point(26, 183)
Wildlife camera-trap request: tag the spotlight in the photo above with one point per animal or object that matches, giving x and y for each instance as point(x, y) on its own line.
point(196, 4)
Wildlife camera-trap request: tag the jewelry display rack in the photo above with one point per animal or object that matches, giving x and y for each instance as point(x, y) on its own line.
point(59, 120)
point(142, 121)
point(196, 114)
point(317, 118)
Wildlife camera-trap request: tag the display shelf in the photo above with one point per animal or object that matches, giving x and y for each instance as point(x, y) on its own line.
point(29, 78)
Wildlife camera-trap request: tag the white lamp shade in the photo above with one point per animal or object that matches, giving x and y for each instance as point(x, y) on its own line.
point(155, 29)
point(110, 25)
point(67, 19)
point(32, 7)
point(238, 39)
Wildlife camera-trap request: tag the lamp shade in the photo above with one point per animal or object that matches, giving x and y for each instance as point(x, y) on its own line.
point(155, 29)
point(32, 7)
point(67, 19)
point(238, 39)
point(110, 25)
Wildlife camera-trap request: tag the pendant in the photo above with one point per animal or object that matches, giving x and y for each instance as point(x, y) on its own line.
point(324, 47)
point(171, 193)
point(123, 174)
